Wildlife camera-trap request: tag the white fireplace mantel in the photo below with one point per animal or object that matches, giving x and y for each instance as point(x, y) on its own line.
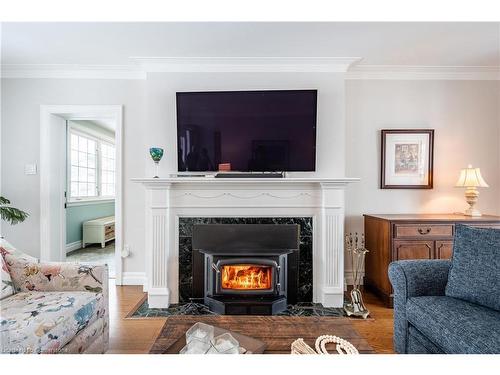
point(168, 199)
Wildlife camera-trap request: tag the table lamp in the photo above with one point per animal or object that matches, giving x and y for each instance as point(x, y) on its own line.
point(470, 178)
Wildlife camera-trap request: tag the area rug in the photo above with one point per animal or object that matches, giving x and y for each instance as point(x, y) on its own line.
point(278, 332)
point(142, 310)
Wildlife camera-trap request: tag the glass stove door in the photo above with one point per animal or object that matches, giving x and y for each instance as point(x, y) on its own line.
point(246, 278)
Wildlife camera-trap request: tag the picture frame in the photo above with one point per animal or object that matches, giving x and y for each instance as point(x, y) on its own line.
point(407, 158)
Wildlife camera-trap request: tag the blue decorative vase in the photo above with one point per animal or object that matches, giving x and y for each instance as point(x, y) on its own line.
point(156, 154)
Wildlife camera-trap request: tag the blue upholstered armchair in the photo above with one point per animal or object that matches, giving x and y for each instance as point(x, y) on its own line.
point(443, 306)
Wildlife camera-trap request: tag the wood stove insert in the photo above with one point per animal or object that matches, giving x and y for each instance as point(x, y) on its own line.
point(248, 268)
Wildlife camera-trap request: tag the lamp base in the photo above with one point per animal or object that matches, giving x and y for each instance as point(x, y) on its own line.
point(472, 212)
point(471, 196)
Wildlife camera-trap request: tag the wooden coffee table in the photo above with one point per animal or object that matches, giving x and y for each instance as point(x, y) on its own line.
point(276, 332)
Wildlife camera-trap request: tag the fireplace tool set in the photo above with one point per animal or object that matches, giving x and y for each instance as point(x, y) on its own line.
point(355, 247)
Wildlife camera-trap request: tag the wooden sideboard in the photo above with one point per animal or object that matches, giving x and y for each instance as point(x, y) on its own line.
point(396, 237)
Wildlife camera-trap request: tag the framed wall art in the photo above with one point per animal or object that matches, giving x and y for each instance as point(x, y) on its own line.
point(407, 158)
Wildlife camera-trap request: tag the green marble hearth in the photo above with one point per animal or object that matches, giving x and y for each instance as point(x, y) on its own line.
point(194, 308)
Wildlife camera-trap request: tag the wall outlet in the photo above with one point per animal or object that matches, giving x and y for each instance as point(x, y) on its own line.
point(126, 251)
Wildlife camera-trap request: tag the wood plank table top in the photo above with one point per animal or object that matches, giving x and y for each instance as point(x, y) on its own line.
point(277, 332)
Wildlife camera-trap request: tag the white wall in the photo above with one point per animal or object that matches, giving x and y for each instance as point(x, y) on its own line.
point(149, 120)
point(161, 124)
point(465, 116)
point(21, 100)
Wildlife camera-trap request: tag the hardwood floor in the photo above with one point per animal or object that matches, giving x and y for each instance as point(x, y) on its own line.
point(378, 328)
point(128, 336)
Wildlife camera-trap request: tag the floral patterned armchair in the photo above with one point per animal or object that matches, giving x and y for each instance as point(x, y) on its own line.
point(52, 307)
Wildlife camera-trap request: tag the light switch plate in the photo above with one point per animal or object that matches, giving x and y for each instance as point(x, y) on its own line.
point(30, 169)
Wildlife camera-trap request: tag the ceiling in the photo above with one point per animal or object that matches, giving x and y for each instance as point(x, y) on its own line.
point(416, 44)
point(104, 123)
point(108, 124)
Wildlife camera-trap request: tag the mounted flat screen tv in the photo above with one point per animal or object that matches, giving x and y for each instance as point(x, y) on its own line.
point(246, 131)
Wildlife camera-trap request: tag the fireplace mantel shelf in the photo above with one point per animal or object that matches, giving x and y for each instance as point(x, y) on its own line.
point(238, 181)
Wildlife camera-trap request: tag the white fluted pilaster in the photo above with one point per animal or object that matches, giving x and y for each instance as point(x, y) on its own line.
point(157, 249)
point(332, 239)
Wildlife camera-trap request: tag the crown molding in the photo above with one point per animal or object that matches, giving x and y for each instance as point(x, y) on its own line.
point(71, 71)
point(420, 72)
point(144, 65)
point(245, 64)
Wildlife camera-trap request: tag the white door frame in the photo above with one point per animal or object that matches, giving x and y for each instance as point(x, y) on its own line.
point(53, 181)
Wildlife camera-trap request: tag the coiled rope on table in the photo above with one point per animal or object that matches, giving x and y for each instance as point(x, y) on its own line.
point(343, 346)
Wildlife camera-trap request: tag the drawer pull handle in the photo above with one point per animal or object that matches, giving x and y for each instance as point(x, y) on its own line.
point(426, 231)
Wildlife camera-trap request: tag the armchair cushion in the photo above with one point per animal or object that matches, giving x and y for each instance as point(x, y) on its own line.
point(7, 288)
point(454, 325)
point(38, 322)
point(7, 249)
point(475, 270)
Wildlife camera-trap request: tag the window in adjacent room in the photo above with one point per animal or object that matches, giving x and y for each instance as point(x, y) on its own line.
point(107, 152)
point(91, 166)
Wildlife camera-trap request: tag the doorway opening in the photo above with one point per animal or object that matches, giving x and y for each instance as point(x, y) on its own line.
point(90, 191)
point(80, 175)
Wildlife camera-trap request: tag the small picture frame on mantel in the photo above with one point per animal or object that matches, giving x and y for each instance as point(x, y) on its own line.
point(407, 158)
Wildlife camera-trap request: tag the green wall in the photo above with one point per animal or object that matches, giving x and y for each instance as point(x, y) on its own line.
point(76, 215)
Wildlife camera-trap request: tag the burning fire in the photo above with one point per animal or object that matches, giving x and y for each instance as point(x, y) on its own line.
point(246, 276)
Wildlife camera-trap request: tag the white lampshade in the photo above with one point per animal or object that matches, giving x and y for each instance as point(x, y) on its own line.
point(471, 177)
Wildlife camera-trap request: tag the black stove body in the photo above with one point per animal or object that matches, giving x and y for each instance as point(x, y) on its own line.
point(247, 269)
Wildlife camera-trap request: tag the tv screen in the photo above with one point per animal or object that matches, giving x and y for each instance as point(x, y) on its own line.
point(246, 131)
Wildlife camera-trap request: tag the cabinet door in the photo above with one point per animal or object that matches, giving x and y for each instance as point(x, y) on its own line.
point(413, 250)
point(444, 249)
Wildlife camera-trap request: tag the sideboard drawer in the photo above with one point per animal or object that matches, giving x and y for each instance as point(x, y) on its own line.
point(423, 230)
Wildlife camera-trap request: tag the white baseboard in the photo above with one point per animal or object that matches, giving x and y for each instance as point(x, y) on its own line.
point(73, 246)
point(133, 278)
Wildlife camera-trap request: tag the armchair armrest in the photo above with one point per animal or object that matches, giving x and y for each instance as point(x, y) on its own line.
point(414, 278)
